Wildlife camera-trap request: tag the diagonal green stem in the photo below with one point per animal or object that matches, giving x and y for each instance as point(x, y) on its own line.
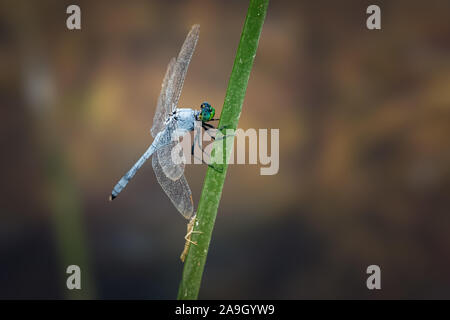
point(212, 188)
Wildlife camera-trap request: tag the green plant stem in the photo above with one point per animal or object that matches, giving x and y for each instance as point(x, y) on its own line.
point(212, 188)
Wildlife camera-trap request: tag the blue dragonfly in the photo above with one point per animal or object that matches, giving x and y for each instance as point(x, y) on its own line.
point(169, 125)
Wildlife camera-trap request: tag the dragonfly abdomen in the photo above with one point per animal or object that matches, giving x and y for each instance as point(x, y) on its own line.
point(130, 174)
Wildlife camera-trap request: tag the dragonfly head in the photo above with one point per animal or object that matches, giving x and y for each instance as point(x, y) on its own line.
point(206, 112)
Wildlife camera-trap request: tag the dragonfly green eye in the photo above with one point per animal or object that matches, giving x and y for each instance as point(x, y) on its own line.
point(207, 112)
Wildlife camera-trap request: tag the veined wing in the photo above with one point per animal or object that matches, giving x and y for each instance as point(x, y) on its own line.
point(173, 81)
point(178, 191)
point(172, 169)
point(163, 107)
point(182, 64)
point(169, 151)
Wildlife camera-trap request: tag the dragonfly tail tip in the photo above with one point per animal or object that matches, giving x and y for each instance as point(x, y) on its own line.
point(111, 197)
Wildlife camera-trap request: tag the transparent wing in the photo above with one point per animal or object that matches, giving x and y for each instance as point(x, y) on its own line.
point(166, 156)
point(182, 64)
point(178, 191)
point(163, 107)
point(170, 152)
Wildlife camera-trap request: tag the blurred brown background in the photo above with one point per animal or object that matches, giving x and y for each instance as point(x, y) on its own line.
point(364, 177)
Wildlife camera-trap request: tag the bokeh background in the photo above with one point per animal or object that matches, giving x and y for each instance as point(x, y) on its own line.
point(364, 119)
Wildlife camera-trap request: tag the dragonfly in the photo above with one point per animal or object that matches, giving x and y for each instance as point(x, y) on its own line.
point(170, 123)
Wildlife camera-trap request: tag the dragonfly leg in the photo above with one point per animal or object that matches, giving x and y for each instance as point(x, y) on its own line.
point(197, 141)
point(210, 165)
point(207, 126)
point(204, 153)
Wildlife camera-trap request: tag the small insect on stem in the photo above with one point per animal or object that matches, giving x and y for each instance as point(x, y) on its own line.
point(187, 237)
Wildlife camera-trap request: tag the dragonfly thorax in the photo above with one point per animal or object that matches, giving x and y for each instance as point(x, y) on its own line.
point(184, 118)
